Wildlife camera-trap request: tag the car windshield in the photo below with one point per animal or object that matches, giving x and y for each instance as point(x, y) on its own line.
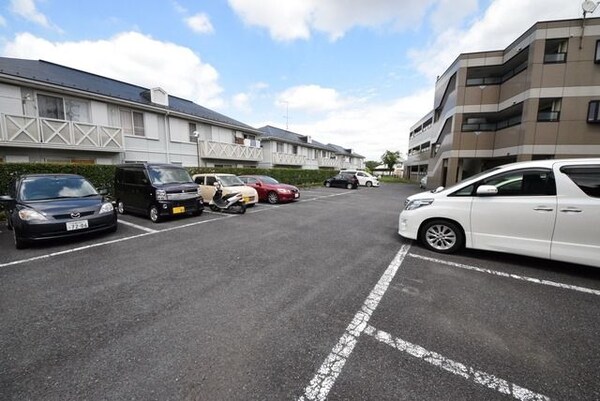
point(269, 180)
point(168, 175)
point(45, 188)
point(230, 181)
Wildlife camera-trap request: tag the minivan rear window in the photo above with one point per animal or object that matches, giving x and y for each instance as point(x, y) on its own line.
point(587, 178)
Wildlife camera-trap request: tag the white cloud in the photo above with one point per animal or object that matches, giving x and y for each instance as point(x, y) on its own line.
point(295, 19)
point(311, 98)
point(502, 23)
point(451, 12)
point(369, 129)
point(142, 60)
point(241, 101)
point(2, 21)
point(200, 23)
point(28, 10)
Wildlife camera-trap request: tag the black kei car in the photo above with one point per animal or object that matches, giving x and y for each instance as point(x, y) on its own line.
point(48, 206)
point(342, 180)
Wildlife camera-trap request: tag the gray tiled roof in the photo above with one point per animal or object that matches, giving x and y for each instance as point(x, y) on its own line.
point(55, 74)
point(342, 151)
point(270, 132)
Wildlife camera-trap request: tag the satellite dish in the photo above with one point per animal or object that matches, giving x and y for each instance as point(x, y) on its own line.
point(589, 6)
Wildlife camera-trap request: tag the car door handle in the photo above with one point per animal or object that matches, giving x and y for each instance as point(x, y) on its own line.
point(571, 210)
point(543, 209)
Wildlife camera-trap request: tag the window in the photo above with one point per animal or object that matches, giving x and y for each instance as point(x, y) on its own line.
point(295, 149)
point(587, 178)
point(134, 177)
point(193, 130)
point(523, 183)
point(593, 116)
point(50, 107)
point(597, 55)
point(555, 51)
point(77, 110)
point(132, 122)
point(549, 110)
point(279, 147)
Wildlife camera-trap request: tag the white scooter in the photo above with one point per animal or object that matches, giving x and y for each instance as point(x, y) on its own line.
point(232, 203)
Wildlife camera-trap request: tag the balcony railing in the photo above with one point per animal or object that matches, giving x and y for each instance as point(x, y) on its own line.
point(288, 159)
point(59, 134)
point(328, 162)
point(229, 151)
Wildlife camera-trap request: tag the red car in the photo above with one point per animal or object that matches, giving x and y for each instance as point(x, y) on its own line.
point(270, 190)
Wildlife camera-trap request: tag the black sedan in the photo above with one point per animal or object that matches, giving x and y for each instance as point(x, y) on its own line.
point(47, 206)
point(341, 180)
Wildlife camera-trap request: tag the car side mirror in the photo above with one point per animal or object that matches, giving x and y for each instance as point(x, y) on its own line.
point(487, 190)
point(103, 192)
point(6, 200)
point(258, 184)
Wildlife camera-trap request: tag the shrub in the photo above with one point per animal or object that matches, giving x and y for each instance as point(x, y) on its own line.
point(102, 176)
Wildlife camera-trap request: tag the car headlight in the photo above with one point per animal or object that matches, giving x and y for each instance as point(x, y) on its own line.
point(161, 195)
point(106, 208)
point(283, 191)
point(417, 203)
point(31, 215)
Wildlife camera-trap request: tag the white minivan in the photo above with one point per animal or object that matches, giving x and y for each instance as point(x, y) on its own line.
point(547, 208)
point(364, 179)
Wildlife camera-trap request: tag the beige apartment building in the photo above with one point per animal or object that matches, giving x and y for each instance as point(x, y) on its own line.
point(537, 99)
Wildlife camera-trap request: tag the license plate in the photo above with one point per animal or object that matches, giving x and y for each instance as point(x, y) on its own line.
point(296, 195)
point(246, 199)
point(180, 209)
point(77, 225)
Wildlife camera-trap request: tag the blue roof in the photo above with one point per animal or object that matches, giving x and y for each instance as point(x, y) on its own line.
point(55, 74)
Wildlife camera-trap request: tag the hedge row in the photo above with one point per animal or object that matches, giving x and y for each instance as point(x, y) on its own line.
point(102, 177)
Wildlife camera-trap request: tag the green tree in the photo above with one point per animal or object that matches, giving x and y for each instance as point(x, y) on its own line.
point(390, 158)
point(371, 165)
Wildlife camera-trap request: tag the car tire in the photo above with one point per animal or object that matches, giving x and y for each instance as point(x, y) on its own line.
point(349, 186)
point(442, 236)
point(120, 207)
point(198, 212)
point(327, 184)
point(19, 242)
point(214, 208)
point(154, 214)
point(369, 184)
point(272, 197)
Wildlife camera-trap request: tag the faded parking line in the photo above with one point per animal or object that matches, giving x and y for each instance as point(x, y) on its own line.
point(456, 368)
point(508, 275)
point(148, 230)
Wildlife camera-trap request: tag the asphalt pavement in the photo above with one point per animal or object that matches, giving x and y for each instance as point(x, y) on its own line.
point(317, 299)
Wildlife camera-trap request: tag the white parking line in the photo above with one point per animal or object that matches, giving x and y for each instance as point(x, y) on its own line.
point(82, 248)
point(148, 230)
point(508, 275)
point(457, 368)
point(323, 381)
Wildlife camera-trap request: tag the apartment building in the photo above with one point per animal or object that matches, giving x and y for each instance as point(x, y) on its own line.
point(283, 148)
point(52, 113)
point(537, 99)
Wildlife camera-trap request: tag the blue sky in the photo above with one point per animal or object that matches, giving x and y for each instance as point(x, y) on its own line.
point(355, 73)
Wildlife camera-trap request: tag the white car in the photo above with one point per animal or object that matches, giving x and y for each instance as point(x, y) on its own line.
point(547, 209)
point(230, 184)
point(364, 179)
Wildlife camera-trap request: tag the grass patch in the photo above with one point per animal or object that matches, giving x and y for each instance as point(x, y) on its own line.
point(393, 180)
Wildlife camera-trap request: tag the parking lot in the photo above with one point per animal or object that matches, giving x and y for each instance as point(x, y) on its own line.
point(318, 299)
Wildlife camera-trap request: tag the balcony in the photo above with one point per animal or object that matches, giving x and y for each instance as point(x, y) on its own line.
point(328, 162)
point(288, 159)
point(229, 151)
point(25, 131)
